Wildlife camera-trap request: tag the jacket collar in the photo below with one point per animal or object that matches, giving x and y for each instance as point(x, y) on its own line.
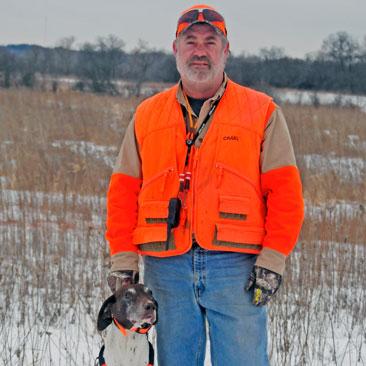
point(208, 103)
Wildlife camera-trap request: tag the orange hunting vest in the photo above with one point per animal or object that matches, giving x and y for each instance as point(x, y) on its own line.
point(224, 209)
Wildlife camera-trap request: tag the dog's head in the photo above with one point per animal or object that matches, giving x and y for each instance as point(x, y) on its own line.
point(131, 306)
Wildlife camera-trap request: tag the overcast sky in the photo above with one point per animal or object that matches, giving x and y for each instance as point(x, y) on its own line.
point(297, 26)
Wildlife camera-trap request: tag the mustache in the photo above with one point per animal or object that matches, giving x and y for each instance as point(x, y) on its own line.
point(200, 58)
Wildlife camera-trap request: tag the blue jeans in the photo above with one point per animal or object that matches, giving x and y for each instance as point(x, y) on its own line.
point(201, 285)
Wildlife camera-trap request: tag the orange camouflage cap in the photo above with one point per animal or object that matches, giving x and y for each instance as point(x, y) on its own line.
point(201, 13)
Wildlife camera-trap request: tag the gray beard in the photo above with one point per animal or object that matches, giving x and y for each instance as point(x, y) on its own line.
point(197, 76)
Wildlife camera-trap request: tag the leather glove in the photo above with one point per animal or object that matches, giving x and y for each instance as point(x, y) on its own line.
point(265, 284)
point(118, 279)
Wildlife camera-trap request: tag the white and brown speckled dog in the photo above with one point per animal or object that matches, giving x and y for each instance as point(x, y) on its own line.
point(124, 320)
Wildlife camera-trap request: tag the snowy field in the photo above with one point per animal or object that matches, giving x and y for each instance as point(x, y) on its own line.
point(48, 319)
point(320, 98)
point(54, 259)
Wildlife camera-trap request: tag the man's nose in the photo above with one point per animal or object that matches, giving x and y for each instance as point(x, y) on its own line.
point(200, 50)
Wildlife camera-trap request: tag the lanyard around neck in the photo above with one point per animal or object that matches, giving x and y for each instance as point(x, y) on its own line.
point(185, 177)
point(192, 137)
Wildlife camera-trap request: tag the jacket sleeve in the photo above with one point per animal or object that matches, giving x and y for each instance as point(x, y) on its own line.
point(124, 188)
point(281, 187)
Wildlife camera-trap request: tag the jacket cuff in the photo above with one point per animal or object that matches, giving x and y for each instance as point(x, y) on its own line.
point(125, 261)
point(271, 259)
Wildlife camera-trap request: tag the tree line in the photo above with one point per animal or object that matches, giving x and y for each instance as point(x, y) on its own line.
point(340, 66)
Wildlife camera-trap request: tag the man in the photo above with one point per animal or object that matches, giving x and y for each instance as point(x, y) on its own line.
point(206, 189)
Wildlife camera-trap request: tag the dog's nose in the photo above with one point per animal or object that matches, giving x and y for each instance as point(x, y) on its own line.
point(149, 306)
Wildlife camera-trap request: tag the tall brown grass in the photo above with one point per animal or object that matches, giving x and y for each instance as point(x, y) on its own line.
point(54, 260)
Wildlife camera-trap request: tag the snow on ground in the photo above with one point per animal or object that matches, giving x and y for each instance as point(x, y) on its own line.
point(68, 338)
point(106, 154)
point(346, 168)
point(334, 211)
point(34, 202)
point(88, 210)
point(58, 260)
point(303, 97)
point(56, 326)
point(354, 142)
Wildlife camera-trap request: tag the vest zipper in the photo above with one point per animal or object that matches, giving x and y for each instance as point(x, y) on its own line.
point(194, 175)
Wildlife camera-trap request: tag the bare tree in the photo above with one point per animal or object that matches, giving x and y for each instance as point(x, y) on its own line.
point(141, 60)
point(340, 48)
point(272, 53)
point(64, 55)
point(7, 68)
point(66, 42)
point(363, 49)
point(99, 63)
point(110, 49)
point(33, 61)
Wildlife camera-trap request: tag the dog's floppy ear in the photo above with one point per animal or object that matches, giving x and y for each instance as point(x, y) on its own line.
point(105, 314)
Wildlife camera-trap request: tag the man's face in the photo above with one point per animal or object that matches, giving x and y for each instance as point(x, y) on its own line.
point(200, 54)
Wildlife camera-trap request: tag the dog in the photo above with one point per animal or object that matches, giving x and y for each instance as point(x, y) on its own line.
point(124, 320)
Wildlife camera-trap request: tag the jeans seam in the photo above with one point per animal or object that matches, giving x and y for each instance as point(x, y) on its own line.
point(212, 352)
point(199, 350)
point(197, 270)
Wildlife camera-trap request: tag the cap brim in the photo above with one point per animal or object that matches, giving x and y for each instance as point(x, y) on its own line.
point(217, 29)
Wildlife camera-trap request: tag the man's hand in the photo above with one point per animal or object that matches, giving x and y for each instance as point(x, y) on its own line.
point(118, 279)
point(265, 283)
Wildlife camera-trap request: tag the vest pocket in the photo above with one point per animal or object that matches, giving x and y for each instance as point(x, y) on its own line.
point(227, 177)
point(153, 212)
point(234, 207)
point(238, 236)
point(154, 234)
point(158, 180)
point(151, 232)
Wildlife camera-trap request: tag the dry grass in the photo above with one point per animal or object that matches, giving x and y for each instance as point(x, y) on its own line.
point(31, 123)
point(56, 155)
point(328, 132)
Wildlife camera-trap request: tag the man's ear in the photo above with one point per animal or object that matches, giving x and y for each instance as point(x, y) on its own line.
point(105, 313)
point(174, 47)
point(227, 49)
